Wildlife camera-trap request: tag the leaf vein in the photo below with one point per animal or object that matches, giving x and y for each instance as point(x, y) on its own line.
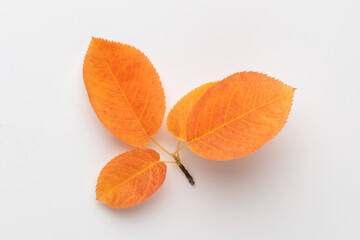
point(236, 118)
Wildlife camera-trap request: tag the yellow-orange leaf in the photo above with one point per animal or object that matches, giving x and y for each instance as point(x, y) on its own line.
point(125, 91)
point(238, 115)
point(176, 120)
point(130, 178)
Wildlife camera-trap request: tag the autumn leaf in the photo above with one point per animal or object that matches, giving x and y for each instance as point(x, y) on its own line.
point(238, 115)
point(176, 120)
point(125, 91)
point(130, 178)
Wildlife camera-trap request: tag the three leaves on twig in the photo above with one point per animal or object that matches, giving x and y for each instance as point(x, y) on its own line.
point(220, 120)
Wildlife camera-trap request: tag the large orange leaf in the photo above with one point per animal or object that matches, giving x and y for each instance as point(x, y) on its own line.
point(124, 90)
point(130, 178)
point(176, 120)
point(238, 115)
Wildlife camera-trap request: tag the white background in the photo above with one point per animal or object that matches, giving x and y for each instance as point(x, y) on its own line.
point(304, 184)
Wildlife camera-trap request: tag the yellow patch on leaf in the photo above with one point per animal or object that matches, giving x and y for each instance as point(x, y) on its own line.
point(176, 120)
point(130, 178)
point(125, 91)
point(238, 115)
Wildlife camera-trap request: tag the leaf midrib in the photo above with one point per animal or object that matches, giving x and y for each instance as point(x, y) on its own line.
point(234, 119)
point(123, 93)
point(129, 178)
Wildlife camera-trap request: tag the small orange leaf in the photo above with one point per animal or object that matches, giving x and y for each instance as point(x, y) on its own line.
point(238, 115)
point(176, 120)
point(125, 91)
point(130, 178)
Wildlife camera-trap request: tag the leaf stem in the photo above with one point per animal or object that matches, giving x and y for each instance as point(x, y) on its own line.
point(183, 169)
point(161, 147)
point(179, 148)
point(169, 162)
point(176, 157)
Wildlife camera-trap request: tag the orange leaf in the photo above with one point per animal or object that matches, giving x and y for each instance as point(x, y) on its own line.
point(238, 115)
point(176, 120)
point(125, 91)
point(130, 178)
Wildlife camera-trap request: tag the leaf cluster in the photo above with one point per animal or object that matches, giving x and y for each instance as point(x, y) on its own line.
point(221, 120)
